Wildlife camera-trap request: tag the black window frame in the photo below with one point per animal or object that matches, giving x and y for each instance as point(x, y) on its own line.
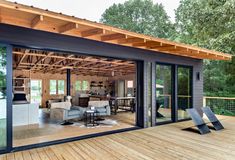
point(174, 110)
point(192, 96)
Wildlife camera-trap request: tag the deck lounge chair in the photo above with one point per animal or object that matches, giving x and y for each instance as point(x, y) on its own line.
point(198, 121)
point(212, 118)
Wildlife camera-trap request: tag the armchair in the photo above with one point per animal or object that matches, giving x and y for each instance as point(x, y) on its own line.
point(102, 107)
point(64, 111)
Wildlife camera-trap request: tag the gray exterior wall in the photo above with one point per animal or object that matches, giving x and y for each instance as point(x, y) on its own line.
point(50, 41)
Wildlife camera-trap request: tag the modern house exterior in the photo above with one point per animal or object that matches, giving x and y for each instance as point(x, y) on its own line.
point(168, 76)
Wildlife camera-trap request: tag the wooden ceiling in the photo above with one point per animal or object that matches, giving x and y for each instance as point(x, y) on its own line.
point(38, 19)
point(38, 61)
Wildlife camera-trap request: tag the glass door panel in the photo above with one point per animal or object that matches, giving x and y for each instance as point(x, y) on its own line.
point(163, 93)
point(184, 91)
point(36, 91)
point(3, 99)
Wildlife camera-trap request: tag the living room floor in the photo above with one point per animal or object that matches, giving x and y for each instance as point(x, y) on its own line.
point(47, 130)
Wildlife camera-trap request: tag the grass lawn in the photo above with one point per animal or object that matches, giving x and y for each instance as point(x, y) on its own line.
point(2, 133)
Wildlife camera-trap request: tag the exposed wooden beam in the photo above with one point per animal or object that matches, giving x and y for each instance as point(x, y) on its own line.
point(56, 62)
point(41, 59)
point(99, 65)
point(147, 44)
point(153, 44)
point(73, 58)
point(68, 27)
point(73, 63)
point(92, 32)
point(131, 40)
point(205, 54)
point(111, 37)
point(190, 53)
point(112, 68)
point(67, 57)
point(36, 21)
point(140, 44)
point(85, 64)
point(166, 48)
point(22, 58)
point(0, 15)
point(67, 65)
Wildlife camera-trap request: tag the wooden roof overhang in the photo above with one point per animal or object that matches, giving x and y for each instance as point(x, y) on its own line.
point(39, 19)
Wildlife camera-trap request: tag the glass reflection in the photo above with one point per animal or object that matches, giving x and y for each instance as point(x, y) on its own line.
point(184, 92)
point(163, 92)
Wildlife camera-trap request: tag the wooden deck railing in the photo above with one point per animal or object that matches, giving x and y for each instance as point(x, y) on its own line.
point(220, 105)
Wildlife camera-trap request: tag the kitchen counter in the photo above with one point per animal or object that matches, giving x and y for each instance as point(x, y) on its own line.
point(25, 114)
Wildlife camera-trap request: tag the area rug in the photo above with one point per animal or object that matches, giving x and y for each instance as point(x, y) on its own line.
point(104, 123)
point(108, 122)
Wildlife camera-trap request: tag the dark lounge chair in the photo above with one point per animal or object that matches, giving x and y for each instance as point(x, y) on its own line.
point(212, 118)
point(198, 121)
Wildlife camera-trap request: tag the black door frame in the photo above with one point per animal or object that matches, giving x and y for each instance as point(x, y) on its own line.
point(140, 93)
point(173, 118)
point(8, 147)
point(139, 104)
point(174, 82)
point(191, 86)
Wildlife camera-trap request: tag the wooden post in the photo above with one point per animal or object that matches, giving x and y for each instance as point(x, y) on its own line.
point(204, 101)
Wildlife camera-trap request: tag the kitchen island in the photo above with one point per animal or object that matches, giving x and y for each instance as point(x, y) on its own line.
point(25, 114)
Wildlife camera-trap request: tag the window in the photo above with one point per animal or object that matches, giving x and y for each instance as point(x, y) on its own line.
point(52, 87)
point(184, 91)
point(60, 86)
point(36, 91)
point(129, 84)
point(85, 85)
point(78, 85)
point(57, 87)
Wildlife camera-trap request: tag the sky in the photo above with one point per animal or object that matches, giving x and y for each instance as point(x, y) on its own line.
point(89, 9)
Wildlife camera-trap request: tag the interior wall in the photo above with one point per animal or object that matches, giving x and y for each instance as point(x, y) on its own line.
point(125, 78)
point(46, 77)
point(46, 82)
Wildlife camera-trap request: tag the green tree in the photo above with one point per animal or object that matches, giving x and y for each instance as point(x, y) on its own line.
point(210, 24)
point(2, 72)
point(141, 16)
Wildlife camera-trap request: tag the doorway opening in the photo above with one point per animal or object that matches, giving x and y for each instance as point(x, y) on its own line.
point(166, 110)
point(56, 94)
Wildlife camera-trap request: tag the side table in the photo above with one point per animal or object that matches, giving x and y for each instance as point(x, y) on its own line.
point(90, 118)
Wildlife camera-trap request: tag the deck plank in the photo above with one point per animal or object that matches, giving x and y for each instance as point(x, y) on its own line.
point(34, 154)
point(3, 157)
point(11, 156)
point(26, 155)
point(164, 142)
point(18, 156)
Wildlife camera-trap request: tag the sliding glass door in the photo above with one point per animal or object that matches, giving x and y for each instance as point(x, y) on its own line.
point(184, 95)
point(169, 77)
point(3, 99)
point(163, 93)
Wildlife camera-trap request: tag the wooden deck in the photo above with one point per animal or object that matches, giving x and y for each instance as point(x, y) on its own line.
point(162, 142)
